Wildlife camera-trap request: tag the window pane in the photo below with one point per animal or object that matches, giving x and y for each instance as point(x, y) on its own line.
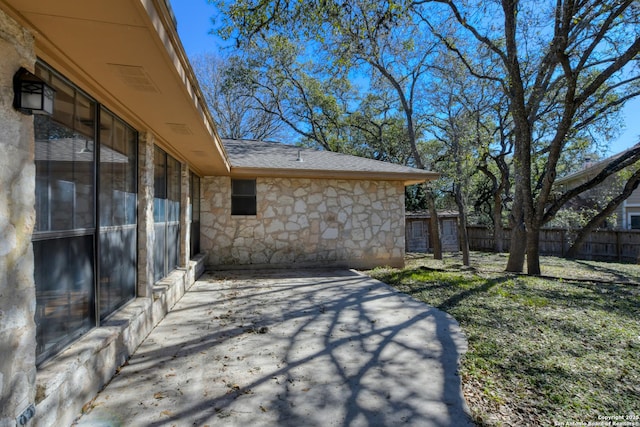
point(173, 246)
point(166, 213)
point(243, 205)
point(159, 251)
point(159, 209)
point(65, 152)
point(117, 268)
point(635, 222)
point(160, 174)
point(195, 199)
point(173, 189)
point(246, 187)
point(85, 115)
point(243, 197)
point(107, 159)
point(64, 291)
point(64, 104)
point(64, 177)
point(117, 167)
point(132, 150)
point(117, 213)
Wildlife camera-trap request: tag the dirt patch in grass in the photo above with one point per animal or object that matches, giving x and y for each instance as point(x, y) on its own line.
point(564, 348)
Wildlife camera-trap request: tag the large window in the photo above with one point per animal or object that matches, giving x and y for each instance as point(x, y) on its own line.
point(118, 201)
point(243, 197)
point(166, 213)
point(63, 241)
point(82, 272)
point(194, 214)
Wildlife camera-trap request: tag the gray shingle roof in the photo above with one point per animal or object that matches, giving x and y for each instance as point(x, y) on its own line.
point(270, 157)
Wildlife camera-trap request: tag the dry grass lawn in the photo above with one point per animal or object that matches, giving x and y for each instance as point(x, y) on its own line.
point(553, 350)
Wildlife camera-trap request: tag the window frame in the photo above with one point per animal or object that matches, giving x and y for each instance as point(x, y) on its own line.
point(76, 250)
point(237, 199)
point(166, 213)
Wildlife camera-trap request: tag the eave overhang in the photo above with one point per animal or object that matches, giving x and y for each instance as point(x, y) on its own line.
point(406, 178)
point(127, 55)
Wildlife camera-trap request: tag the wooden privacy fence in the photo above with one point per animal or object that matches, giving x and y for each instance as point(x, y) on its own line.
point(601, 245)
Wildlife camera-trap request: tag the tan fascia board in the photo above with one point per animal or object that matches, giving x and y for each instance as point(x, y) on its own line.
point(159, 19)
point(158, 8)
point(406, 178)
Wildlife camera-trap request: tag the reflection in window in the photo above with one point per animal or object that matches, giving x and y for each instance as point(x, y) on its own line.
point(63, 241)
point(67, 146)
point(64, 291)
point(64, 170)
point(166, 213)
point(118, 200)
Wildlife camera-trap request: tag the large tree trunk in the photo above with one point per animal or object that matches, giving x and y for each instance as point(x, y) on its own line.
point(517, 247)
point(434, 225)
point(498, 230)
point(462, 226)
point(524, 220)
point(533, 251)
point(522, 211)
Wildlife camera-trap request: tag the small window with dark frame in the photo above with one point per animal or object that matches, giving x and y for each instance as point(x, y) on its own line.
point(635, 222)
point(243, 197)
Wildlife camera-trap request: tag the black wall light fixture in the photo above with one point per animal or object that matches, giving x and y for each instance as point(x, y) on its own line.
point(31, 95)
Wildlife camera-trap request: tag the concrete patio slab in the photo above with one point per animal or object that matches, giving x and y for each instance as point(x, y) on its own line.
point(291, 348)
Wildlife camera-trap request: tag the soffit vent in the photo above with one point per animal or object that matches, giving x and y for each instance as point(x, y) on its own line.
point(180, 128)
point(134, 77)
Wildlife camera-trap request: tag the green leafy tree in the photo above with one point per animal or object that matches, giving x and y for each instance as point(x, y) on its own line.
point(363, 36)
point(563, 66)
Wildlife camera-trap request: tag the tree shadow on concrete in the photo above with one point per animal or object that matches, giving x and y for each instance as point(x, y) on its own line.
point(292, 348)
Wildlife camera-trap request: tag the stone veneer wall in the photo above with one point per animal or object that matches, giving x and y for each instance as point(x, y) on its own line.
point(17, 218)
point(60, 387)
point(305, 222)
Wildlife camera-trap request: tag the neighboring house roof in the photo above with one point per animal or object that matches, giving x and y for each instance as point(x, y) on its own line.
point(588, 172)
point(260, 158)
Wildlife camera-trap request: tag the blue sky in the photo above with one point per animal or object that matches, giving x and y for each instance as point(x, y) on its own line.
point(194, 24)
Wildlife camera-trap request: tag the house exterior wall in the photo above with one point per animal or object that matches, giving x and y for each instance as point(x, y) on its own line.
point(305, 222)
point(631, 211)
point(56, 390)
point(609, 187)
point(634, 198)
point(17, 218)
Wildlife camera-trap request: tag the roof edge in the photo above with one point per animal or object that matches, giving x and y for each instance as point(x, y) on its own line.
point(407, 178)
point(185, 70)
